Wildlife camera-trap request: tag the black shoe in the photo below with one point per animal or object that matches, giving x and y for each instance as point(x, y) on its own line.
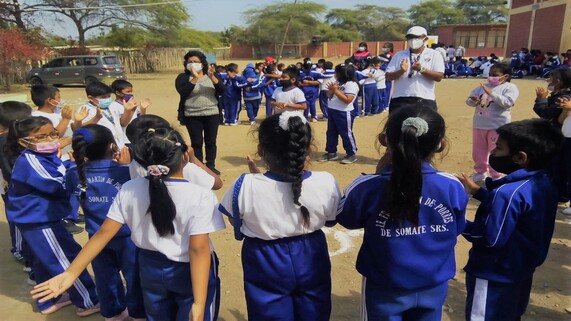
point(213, 169)
point(72, 228)
point(80, 219)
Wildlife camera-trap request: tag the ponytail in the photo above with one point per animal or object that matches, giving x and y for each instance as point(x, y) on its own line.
point(297, 150)
point(160, 151)
point(405, 184)
point(79, 146)
point(413, 133)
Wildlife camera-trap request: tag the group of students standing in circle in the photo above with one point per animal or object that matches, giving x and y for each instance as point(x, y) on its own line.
point(155, 229)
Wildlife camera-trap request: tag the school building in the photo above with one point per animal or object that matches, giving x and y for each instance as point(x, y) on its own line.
point(478, 40)
point(539, 24)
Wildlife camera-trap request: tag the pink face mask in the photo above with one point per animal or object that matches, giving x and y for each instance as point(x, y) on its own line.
point(494, 81)
point(47, 147)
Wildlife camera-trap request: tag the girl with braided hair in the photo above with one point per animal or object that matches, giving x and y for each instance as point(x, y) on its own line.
point(279, 214)
point(412, 215)
point(170, 219)
point(95, 181)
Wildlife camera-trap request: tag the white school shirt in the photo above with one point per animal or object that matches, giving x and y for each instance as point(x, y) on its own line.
point(290, 96)
point(566, 128)
point(366, 73)
point(56, 118)
point(380, 79)
point(191, 172)
point(266, 205)
point(348, 88)
point(195, 215)
point(110, 119)
point(417, 85)
point(118, 108)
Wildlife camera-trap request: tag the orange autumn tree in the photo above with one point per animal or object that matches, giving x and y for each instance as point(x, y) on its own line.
point(16, 50)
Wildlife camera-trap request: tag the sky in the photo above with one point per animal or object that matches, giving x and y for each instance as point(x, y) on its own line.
point(229, 12)
point(215, 15)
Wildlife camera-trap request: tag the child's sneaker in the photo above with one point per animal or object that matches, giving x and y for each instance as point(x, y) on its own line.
point(328, 157)
point(31, 278)
point(27, 269)
point(18, 257)
point(83, 312)
point(478, 177)
point(72, 227)
point(349, 159)
point(62, 302)
point(119, 317)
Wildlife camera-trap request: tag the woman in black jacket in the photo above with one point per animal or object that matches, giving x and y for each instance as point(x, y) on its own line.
point(198, 106)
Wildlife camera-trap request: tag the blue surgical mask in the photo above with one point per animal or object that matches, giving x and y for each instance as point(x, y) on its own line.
point(104, 102)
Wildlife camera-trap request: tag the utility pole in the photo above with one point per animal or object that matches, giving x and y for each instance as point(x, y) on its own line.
point(285, 34)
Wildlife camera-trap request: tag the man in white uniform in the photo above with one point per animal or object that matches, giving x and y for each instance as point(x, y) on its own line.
point(415, 71)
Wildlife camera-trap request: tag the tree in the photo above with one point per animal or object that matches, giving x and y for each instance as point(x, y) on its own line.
point(15, 51)
point(267, 25)
point(372, 21)
point(433, 13)
point(483, 11)
point(11, 14)
point(87, 15)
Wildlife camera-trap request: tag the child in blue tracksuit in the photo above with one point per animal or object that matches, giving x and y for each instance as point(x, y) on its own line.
point(368, 78)
point(386, 96)
point(512, 230)
point(412, 215)
point(95, 181)
point(232, 94)
point(252, 93)
point(170, 220)
point(37, 202)
point(328, 77)
point(287, 271)
point(309, 84)
point(270, 84)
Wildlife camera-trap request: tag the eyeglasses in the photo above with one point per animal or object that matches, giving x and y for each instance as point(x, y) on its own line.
point(42, 137)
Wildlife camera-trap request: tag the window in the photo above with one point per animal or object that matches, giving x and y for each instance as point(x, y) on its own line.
point(480, 39)
point(56, 63)
point(111, 60)
point(73, 62)
point(90, 61)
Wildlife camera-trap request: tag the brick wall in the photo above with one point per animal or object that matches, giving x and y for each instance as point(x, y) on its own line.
point(548, 28)
point(518, 31)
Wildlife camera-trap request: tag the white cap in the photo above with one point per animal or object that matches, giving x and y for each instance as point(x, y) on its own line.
point(416, 31)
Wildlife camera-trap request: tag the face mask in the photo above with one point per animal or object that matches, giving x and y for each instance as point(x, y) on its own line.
point(550, 87)
point(385, 49)
point(494, 81)
point(127, 97)
point(286, 83)
point(197, 66)
point(59, 107)
point(104, 102)
point(47, 147)
point(503, 164)
point(415, 43)
point(361, 48)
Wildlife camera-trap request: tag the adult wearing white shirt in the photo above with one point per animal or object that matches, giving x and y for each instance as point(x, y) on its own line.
point(415, 71)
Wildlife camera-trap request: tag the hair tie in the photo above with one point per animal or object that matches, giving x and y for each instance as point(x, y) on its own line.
point(158, 170)
point(86, 133)
point(286, 115)
point(150, 130)
point(418, 123)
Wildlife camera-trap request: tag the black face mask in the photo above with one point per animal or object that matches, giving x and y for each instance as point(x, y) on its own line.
point(503, 164)
point(286, 83)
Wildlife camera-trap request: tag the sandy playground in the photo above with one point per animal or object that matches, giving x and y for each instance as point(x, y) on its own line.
point(551, 293)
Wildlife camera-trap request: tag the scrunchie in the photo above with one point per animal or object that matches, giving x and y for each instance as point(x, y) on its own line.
point(86, 133)
point(158, 170)
point(418, 123)
point(285, 116)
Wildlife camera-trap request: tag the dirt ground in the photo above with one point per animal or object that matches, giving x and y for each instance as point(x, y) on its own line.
point(551, 293)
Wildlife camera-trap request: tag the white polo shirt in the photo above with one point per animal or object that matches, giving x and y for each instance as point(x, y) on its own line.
point(196, 214)
point(111, 119)
point(265, 203)
point(417, 85)
point(290, 96)
point(348, 88)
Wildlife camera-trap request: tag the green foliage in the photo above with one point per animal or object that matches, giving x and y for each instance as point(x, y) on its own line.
point(483, 11)
point(268, 24)
point(433, 13)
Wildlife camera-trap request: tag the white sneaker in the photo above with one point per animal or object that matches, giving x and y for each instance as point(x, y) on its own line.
point(566, 212)
point(478, 177)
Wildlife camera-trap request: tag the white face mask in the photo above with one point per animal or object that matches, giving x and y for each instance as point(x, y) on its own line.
point(197, 66)
point(415, 43)
point(361, 48)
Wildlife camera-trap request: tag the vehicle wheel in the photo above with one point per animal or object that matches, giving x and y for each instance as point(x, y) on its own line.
point(90, 80)
point(36, 81)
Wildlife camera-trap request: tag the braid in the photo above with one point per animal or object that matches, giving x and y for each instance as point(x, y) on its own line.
point(297, 149)
point(79, 147)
